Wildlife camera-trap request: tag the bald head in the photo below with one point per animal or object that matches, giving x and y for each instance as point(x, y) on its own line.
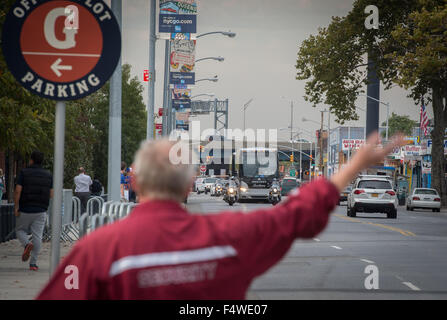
point(157, 176)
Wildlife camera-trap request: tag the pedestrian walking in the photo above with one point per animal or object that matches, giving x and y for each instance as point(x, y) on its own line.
point(160, 251)
point(82, 191)
point(31, 199)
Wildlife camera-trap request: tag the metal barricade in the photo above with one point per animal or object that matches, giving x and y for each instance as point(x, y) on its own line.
point(84, 221)
point(111, 211)
point(92, 202)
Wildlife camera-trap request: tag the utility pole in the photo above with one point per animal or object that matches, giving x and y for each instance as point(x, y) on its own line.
point(151, 91)
point(328, 139)
point(114, 153)
point(321, 144)
point(166, 89)
point(291, 132)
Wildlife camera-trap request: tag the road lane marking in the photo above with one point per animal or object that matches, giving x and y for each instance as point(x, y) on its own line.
point(367, 261)
point(401, 231)
point(317, 240)
point(411, 286)
point(335, 247)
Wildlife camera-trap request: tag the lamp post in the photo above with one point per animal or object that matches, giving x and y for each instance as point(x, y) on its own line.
point(245, 108)
point(225, 33)
point(387, 104)
point(215, 79)
point(203, 94)
point(321, 140)
point(220, 59)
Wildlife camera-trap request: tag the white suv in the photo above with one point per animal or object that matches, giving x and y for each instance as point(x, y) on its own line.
point(372, 194)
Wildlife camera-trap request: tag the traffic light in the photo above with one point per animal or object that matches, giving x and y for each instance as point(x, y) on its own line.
point(291, 158)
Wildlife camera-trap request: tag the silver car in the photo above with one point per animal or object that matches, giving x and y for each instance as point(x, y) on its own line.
point(424, 198)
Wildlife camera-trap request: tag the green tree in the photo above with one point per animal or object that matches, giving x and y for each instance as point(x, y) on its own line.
point(408, 48)
point(397, 123)
point(25, 119)
point(420, 59)
point(133, 126)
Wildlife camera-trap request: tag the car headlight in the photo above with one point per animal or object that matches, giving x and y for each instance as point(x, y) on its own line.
point(231, 190)
point(275, 190)
point(243, 189)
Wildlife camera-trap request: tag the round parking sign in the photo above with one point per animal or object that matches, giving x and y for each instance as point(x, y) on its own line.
point(61, 50)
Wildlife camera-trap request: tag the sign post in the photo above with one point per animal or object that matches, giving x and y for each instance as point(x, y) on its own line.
point(60, 59)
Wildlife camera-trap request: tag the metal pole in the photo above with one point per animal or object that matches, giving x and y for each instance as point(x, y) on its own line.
point(373, 91)
point(387, 116)
point(310, 161)
point(226, 114)
point(328, 139)
point(166, 88)
point(58, 185)
point(151, 91)
point(244, 118)
point(114, 154)
point(291, 130)
point(301, 167)
point(349, 145)
point(321, 144)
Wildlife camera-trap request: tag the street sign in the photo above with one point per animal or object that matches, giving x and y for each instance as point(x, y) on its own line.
point(178, 16)
point(182, 61)
point(61, 50)
point(182, 126)
point(292, 173)
point(181, 93)
point(160, 112)
point(203, 169)
point(181, 104)
point(158, 126)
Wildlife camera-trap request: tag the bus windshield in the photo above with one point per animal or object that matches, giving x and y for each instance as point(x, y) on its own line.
point(259, 164)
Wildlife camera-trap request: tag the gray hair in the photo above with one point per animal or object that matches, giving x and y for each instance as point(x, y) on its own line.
point(157, 176)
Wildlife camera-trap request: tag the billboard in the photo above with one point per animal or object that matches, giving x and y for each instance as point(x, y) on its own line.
point(182, 120)
point(178, 7)
point(352, 144)
point(181, 104)
point(182, 61)
point(180, 92)
point(178, 16)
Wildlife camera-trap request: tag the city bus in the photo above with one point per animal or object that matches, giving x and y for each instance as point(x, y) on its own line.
point(255, 168)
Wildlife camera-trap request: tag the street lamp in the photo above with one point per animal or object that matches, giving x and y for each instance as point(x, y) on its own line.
point(329, 134)
point(203, 94)
point(215, 79)
point(245, 108)
point(220, 59)
point(225, 33)
point(387, 104)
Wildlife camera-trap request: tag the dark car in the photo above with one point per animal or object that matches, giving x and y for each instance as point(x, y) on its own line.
point(344, 194)
point(288, 184)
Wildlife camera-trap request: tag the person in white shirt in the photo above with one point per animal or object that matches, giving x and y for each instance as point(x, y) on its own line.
point(82, 191)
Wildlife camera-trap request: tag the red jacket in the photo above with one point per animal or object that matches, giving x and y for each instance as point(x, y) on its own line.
point(160, 251)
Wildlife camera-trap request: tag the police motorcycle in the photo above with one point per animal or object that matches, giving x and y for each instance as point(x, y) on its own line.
point(275, 192)
point(231, 194)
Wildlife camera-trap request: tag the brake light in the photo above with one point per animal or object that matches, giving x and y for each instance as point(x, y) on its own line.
point(391, 192)
point(416, 198)
point(437, 199)
point(359, 191)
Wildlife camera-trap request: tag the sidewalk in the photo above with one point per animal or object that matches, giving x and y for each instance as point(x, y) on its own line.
point(17, 282)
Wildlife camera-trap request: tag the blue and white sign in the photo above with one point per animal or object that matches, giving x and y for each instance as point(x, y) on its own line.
point(182, 78)
point(181, 104)
point(177, 23)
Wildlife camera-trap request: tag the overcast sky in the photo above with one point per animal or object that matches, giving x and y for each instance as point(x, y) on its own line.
point(259, 61)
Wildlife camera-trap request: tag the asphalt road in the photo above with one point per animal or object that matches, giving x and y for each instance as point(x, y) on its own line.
point(409, 254)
